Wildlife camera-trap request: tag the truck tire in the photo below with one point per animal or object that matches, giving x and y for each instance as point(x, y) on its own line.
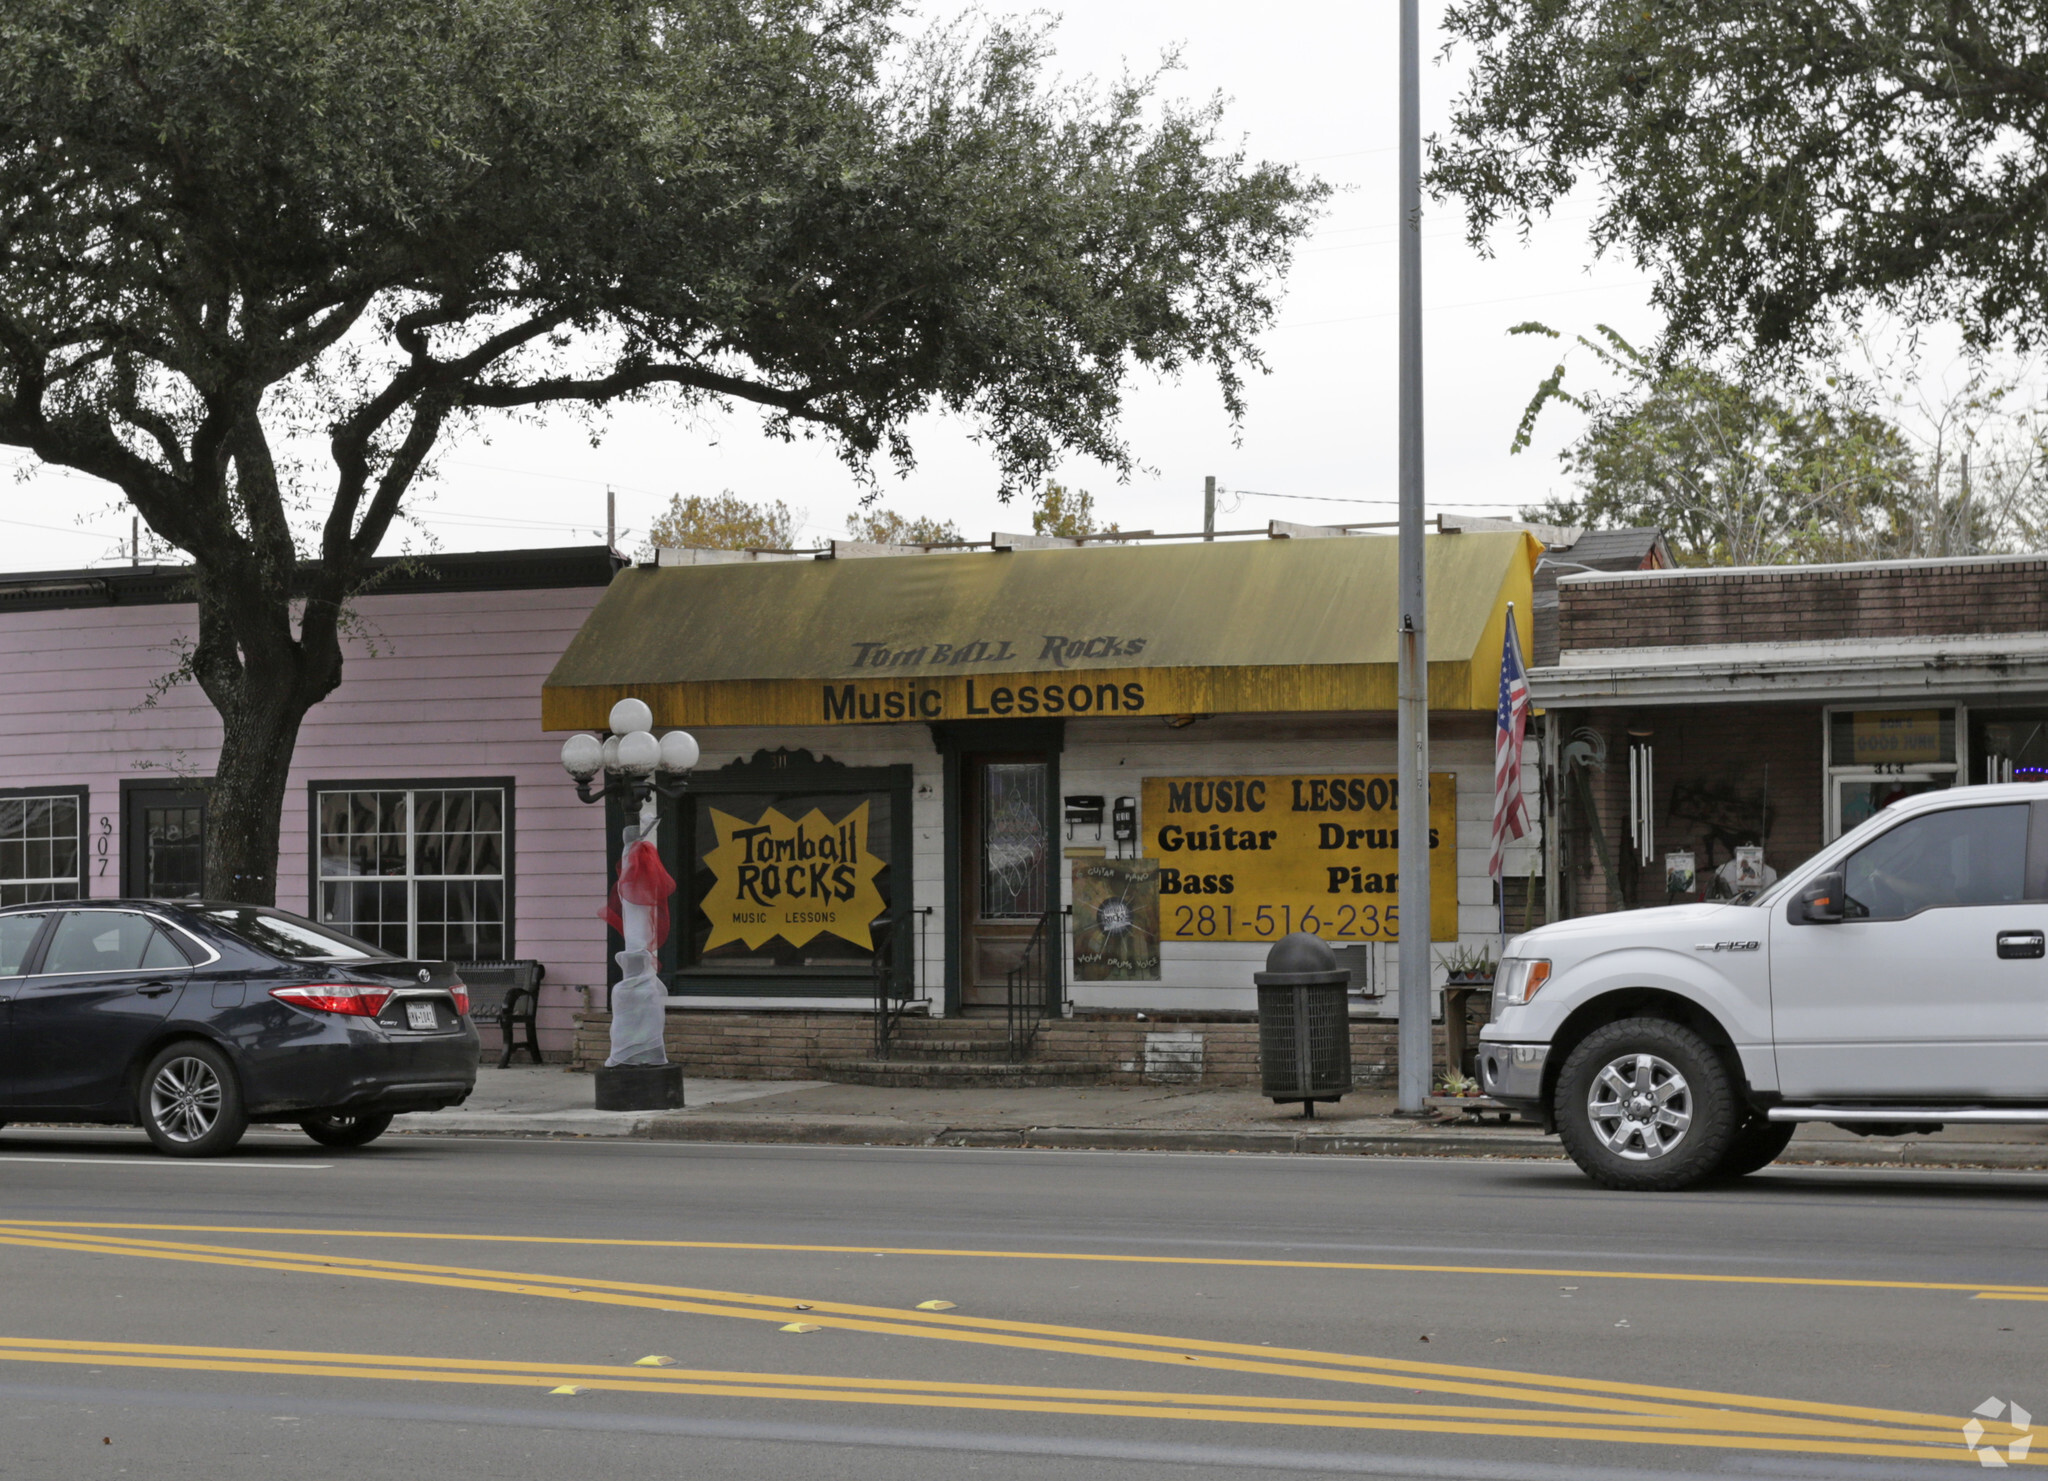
point(1646, 1105)
point(1756, 1145)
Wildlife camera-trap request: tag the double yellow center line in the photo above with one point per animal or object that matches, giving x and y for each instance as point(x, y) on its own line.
point(1515, 1403)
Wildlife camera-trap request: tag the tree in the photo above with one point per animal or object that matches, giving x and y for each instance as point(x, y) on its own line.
point(263, 257)
point(723, 522)
point(1779, 167)
point(1738, 471)
point(1069, 513)
point(885, 527)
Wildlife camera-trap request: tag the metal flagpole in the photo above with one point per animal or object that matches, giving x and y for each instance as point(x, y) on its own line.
point(1412, 728)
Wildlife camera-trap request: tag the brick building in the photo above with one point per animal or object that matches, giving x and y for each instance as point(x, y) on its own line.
point(1690, 714)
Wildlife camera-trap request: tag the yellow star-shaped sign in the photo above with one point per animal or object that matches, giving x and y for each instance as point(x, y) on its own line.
point(777, 877)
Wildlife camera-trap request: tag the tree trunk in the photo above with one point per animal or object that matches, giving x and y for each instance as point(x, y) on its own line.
point(262, 680)
point(246, 807)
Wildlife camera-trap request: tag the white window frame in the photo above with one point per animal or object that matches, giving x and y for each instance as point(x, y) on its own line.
point(1832, 775)
point(412, 787)
point(77, 880)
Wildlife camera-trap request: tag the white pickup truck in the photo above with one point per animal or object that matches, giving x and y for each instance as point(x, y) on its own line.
point(1895, 982)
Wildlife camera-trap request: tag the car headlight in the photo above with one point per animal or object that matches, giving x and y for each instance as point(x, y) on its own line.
point(1518, 980)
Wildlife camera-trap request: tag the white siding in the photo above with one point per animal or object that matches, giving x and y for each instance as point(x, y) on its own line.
point(1113, 757)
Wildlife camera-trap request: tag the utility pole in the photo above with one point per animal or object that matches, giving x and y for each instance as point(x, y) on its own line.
point(134, 539)
point(611, 520)
point(1209, 507)
point(1412, 722)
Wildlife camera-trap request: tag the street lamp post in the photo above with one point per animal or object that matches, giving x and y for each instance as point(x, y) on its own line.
point(1411, 728)
point(639, 770)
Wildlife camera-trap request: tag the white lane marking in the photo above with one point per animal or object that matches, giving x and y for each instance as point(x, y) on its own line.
point(168, 1162)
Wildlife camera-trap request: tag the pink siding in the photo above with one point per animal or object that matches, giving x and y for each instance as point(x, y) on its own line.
point(438, 685)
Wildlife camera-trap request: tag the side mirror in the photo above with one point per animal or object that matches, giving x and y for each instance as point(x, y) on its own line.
point(1820, 903)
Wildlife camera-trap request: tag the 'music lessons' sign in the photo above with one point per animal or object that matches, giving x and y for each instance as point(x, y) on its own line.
point(1251, 858)
point(778, 876)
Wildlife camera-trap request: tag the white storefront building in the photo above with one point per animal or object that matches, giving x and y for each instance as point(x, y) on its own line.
point(1097, 779)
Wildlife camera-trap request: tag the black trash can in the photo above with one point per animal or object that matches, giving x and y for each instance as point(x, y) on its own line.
point(1304, 1023)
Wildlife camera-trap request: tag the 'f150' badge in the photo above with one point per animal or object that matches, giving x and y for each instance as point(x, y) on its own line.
point(1726, 945)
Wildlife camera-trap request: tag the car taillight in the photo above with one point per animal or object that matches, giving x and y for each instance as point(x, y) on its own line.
point(461, 992)
point(336, 997)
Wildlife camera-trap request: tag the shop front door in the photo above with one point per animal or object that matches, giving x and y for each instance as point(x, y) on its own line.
point(1007, 827)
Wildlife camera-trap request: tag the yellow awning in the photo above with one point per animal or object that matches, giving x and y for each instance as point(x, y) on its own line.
point(1254, 626)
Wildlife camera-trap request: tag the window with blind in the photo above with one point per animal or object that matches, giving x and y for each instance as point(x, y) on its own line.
point(421, 870)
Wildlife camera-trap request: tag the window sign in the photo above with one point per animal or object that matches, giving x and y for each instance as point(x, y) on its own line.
point(1116, 920)
point(1251, 858)
point(1894, 737)
point(793, 878)
point(785, 881)
point(1878, 757)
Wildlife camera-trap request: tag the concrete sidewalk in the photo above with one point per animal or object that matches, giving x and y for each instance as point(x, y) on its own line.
point(545, 1100)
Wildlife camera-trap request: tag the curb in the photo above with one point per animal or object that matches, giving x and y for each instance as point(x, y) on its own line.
point(823, 1131)
point(861, 1132)
point(854, 1131)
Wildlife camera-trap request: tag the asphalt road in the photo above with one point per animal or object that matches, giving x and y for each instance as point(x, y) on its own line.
point(453, 1308)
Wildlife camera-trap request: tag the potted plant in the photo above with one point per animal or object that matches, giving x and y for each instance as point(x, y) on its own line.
point(1453, 1085)
point(1467, 966)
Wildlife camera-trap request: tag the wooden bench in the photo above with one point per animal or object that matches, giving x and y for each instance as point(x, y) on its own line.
point(507, 994)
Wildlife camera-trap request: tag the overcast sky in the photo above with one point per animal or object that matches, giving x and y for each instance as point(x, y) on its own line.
point(1313, 83)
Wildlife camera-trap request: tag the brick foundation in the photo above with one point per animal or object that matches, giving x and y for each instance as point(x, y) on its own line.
point(795, 1045)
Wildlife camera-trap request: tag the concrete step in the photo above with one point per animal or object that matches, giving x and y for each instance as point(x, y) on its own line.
point(939, 1073)
point(923, 1048)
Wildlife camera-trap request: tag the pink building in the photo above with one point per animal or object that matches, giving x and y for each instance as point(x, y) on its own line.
point(427, 809)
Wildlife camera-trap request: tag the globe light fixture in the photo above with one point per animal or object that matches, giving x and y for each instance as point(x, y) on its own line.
point(633, 768)
point(639, 753)
point(678, 752)
point(582, 756)
point(629, 715)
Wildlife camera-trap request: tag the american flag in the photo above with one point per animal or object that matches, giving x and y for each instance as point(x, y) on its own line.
point(1510, 725)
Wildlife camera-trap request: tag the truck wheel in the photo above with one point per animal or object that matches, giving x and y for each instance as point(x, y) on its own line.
point(1757, 1145)
point(189, 1102)
point(1645, 1105)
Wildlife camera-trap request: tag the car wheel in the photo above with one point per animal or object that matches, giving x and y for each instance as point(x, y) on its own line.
point(1646, 1105)
point(1757, 1145)
point(338, 1130)
point(189, 1102)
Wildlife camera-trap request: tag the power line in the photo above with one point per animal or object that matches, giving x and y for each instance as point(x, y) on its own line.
point(60, 529)
point(489, 521)
point(1334, 499)
point(562, 477)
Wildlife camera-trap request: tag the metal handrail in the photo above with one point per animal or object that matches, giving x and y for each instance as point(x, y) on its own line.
point(1030, 990)
point(890, 999)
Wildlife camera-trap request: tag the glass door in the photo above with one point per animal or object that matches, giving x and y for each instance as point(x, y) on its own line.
point(163, 833)
point(1007, 893)
point(1877, 757)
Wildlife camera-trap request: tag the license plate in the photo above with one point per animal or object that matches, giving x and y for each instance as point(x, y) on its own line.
point(420, 1015)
